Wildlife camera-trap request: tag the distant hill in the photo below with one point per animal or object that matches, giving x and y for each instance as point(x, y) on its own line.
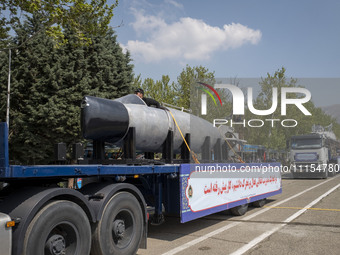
point(333, 110)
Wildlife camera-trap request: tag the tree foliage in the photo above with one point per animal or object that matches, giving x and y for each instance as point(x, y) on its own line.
point(160, 90)
point(276, 137)
point(49, 83)
point(187, 93)
point(86, 18)
point(187, 84)
point(179, 94)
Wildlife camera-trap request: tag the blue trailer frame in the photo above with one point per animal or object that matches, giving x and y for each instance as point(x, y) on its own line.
point(155, 176)
point(167, 185)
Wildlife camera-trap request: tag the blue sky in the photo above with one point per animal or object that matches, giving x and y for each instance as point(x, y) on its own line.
point(239, 38)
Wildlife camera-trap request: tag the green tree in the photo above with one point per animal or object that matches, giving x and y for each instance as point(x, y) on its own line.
point(187, 91)
point(186, 87)
point(86, 18)
point(48, 85)
point(266, 135)
point(161, 90)
point(276, 137)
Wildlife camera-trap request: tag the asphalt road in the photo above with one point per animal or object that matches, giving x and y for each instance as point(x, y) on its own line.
point(304, 219)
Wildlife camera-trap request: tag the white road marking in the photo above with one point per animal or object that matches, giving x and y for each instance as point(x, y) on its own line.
point(224, 228)
point(263, 236)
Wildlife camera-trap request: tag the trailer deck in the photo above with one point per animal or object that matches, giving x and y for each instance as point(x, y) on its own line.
point(43, 171)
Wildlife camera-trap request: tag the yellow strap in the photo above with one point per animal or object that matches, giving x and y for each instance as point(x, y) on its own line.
point(191, 152)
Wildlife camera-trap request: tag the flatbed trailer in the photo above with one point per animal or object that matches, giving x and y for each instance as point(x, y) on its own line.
point(110, 214)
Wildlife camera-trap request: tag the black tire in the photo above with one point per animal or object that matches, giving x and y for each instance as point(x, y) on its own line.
point(259, 203)
point(239, 210)
point(60, 227)
point(120, 228)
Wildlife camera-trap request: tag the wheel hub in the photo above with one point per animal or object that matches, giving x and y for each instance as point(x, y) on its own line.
point(56, 245)
point(119, 228)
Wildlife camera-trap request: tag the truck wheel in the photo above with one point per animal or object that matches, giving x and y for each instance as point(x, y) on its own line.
point(239, 210)
point(120, 228)
point(259, 203)
point(61, 227)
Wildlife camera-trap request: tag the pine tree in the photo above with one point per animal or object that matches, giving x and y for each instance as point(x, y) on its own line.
point(48, 85)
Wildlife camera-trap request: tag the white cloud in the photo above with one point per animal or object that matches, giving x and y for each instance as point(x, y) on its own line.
point(147, 24)
point(186, 39)
point(175, 4)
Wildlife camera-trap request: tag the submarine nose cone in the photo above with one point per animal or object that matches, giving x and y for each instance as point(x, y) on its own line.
point(103, 119)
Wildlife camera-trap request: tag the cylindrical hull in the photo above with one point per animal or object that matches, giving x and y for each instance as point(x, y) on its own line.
point(109, 120)
point(103, 119)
